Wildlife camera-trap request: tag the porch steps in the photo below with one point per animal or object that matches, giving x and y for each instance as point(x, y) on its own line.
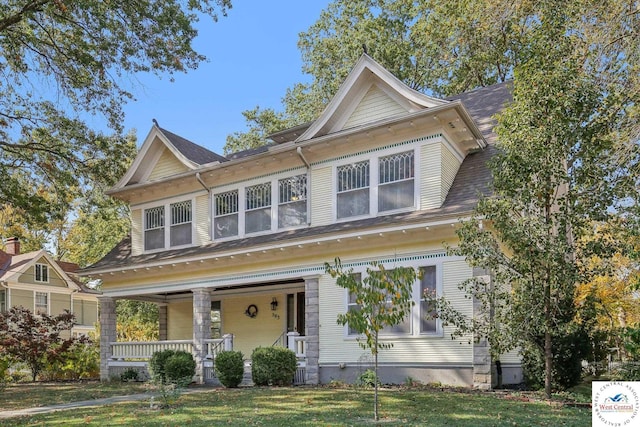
point(246, 378)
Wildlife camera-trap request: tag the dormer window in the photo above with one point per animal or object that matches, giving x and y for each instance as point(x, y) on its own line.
point(396, 183)
point(258, 208)
point(226, 214)
point(292, 201)
point(42, 273)
point(180, 230)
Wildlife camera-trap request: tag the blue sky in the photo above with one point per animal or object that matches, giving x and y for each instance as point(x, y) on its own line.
point(253, 58)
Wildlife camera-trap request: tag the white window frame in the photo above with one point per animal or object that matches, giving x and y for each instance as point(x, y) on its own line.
point(415, 322)
point(167, 223)
point(40, 270)
point(274, 182)
point(3, 300)
point(262, 205)
point(37, 306)
point(374, 182)
point(228, 212)
point(288, 199)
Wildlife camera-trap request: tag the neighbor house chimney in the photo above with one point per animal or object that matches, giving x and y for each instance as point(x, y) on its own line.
point(12, 246)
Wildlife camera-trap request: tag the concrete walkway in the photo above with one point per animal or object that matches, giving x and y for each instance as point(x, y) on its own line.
point(91, 403)
point(72, 405)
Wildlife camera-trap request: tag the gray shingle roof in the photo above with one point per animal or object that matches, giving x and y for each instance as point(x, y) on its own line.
point(472, 180)
point(192, 151)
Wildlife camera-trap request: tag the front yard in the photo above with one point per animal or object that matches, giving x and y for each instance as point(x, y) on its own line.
point(311, 406)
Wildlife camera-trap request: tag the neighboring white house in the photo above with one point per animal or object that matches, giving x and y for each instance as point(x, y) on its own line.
point(232, 248)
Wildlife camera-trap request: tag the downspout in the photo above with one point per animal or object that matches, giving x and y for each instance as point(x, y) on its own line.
point(308, 165)
point(199, 179)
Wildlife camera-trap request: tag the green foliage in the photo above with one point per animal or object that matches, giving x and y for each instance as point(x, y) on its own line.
point(37, 340)
point(137, 320)
point(368, 379)
point(130, 374)
point(80, 362)
point(631, 342)
point(229, 368)
point(628, 371)
point(172, 367)
point(383, 298)
point(273, 366)
point(569, 350)
point(179, 368)
point(262, 123)
point(4, 372)
point(84, 56)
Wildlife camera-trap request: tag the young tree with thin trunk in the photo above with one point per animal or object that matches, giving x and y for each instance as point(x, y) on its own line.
point(383, 299)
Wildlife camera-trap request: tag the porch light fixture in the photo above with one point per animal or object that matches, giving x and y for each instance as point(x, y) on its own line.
point(274, 304)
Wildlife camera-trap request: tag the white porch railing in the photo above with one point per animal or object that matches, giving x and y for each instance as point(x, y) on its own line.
point(297, 344)
point(145, 349)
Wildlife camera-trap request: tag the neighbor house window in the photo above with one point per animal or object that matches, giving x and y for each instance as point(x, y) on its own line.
point(292, 201)
point(258, 208)
point(396, 181)
point(353, 190)
point(3, 300)
point(42, 302)
point(42, 273)
point(225, 214)
point(154, 228)
point(428, 283)
point(180, 223)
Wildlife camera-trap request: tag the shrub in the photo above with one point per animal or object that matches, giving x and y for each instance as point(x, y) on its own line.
point(568, 352)
point(229, 367)
point(179, 368)
point(273, 366)
point(629, 371)
point(130, 374)
point(172, 366)
point(367, 379)
point(5, 378)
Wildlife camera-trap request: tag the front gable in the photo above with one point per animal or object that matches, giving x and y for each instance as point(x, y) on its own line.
point(369, 94)
point(38, 268)
point(166, 165)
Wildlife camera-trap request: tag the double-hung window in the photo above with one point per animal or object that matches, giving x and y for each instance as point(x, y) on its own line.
point(41, 302)
point(3, 300)
point(225, 214)
point(396, 181)
point(353, 190)
point(428, 288)
point(42, 273)
point(420, 320)
point(154, 228)
point(180, 223)
point(292, 201)
point(179, 230)
point(258, 208)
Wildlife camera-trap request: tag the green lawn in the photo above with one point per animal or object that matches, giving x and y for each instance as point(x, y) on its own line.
point(310, 406)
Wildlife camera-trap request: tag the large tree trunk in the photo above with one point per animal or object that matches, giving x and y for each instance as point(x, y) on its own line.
point(548, 363)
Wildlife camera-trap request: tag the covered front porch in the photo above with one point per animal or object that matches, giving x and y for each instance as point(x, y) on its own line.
point(205, 321)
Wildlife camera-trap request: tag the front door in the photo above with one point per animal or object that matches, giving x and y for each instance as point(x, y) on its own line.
point(295, 312)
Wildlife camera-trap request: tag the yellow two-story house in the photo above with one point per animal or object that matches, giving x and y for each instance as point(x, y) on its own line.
point(232, 249)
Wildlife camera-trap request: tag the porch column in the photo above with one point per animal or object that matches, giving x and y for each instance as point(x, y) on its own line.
point(162, 322)
point(107, 333)
point(312, 328)
point(201, 329)
point(482, 378)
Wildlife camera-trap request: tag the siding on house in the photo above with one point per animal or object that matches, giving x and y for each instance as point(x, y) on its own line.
point(180, 320)
point(167, 165)
point(375, 105)
point(321, 196)
point(260, 331)
point(450, 166)
point(29, 276)
point(22, 298)
point(86, 312)
point(137, 232)
point(430, 176)
point(336, 347)
point(58, 303)
point(203, 221)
